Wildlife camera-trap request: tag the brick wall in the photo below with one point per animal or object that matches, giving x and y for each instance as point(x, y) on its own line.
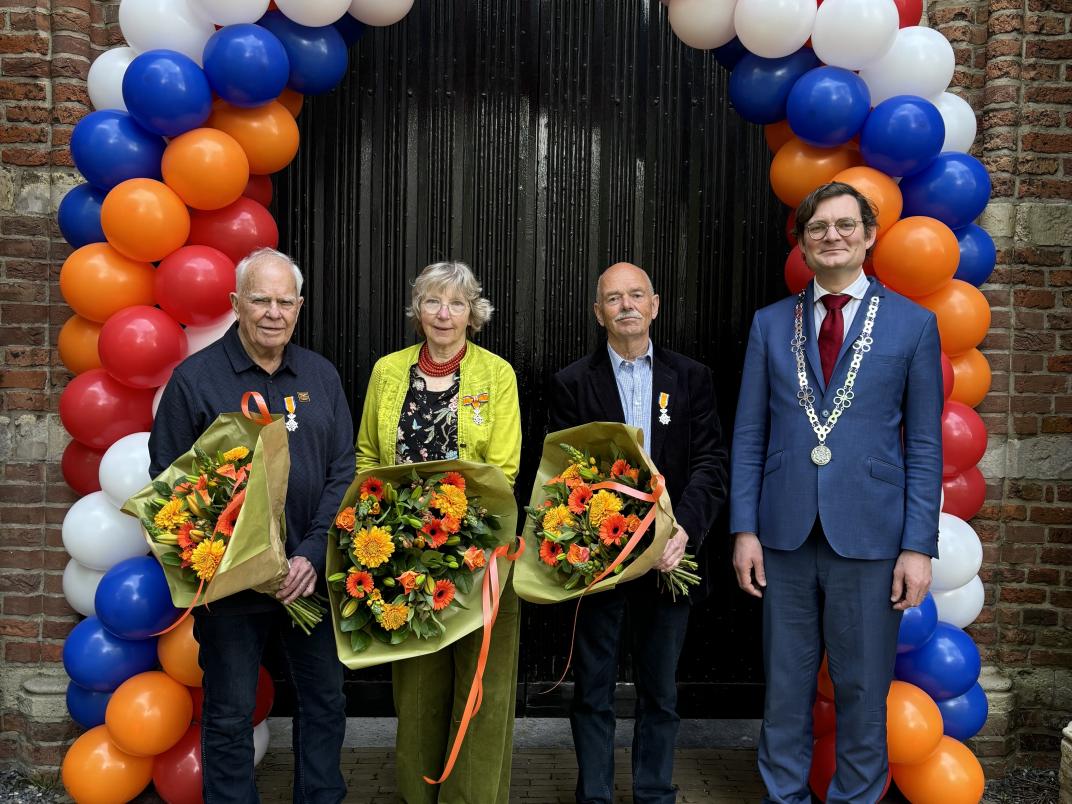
point(1012, 66)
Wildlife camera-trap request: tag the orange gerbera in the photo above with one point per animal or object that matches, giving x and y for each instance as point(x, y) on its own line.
point(183, 535)
point(454, 479)
point(442, 595)
point(358, 583)
point(577, 554)
point(632, 522)
point(346, 519)
point(620, 468)
point(450, 524)
point(225, 524)
point(549, 552)
point(434, 532)
point(474, 558)
point(371, 487)
point(408, 579)
point(613, 529)
point(579, 497)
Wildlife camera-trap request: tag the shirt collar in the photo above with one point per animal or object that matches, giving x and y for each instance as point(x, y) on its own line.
point(858, 289)
point(617, 360)
point(241, 361)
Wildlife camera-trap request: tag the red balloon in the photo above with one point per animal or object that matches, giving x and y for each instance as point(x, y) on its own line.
point(177, 771)
point(141, 345)
point(193, 284)
point(790, 225)
point(259, 188)
point(909, 11)
point(964, 493)
point(265, 696)
point(198, 696)
point(823, 763)
point(236, 230)
point(797, 273)
point(80, 466)
point(98, 410)
point(823, 717)
point(963, 438)
point(947, 375)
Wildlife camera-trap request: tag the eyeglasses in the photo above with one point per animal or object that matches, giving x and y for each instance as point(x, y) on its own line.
point(844, 226)
point(433, 306)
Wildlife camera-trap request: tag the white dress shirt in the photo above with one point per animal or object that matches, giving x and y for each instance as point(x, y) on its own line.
point(857, 290)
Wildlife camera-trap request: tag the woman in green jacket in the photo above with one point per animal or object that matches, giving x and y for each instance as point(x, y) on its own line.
point(447, 398)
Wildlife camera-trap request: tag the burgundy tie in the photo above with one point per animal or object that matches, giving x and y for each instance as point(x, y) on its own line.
point(832, 331)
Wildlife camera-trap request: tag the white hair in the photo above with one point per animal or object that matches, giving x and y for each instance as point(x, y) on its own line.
point(263, 255)
point(453, 276)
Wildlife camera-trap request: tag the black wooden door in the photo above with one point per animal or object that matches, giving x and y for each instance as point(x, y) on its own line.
point(541, 142)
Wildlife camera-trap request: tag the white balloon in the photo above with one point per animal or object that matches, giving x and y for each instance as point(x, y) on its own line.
point(105, 79)
point(169, 24)
point(380, 12)
point(960, 606)
point(919, 63)
point(703, 24)
point(80, 587)
point(261, 738)
point(773, 28)
point(852, 33)
point(231, 12)
point(960, 124)
point(197, 338)
point(124, 469)
point(960, 554)
point(314, 13)
point(98, 535)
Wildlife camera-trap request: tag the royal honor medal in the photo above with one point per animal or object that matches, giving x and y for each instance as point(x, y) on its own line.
point(292, 419)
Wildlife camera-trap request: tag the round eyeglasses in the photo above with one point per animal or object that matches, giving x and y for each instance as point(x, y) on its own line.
point(843, 226)
point(433, 306)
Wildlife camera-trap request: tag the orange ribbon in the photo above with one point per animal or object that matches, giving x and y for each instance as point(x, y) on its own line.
point(264, 416)
point(185, 614)
point(490, 596)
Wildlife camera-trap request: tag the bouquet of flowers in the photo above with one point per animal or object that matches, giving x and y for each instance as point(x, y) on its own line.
point(598, 516)
point(407, 553)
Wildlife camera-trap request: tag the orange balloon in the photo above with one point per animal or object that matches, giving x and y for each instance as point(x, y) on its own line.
point(777, 135)
point(950, 775)
point(825, 683)
point(268, 133)
point(144, 219)
point(799, 168)
point(880, 190)
point(96, 771)
point(292, 101)
point(207, 168)
point(963, 315)
point(913, 723)
point(971, 377)
point(917, 256)
point(96, 280)
point(77, 344)
point(177, 651)
point(149, 713)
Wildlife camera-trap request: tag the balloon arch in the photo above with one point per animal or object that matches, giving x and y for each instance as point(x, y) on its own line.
point(196, 113)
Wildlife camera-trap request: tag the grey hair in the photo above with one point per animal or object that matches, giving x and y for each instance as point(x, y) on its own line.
point(455, 276)
point(262, 255)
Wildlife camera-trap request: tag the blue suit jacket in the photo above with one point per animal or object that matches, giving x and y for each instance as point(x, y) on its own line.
point(880, 492)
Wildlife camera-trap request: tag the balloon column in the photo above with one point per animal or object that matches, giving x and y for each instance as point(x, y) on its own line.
point(856, 91)
point(190, 121)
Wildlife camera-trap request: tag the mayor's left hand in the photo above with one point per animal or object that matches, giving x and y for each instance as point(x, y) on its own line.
point(911, 579)
point(300, 582)
point(673, 552)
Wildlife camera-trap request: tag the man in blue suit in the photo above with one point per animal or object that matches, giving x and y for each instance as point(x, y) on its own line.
point(835, 486)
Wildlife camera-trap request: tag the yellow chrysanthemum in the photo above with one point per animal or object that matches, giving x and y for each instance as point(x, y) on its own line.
point(571, 472)
point(556, 518)
point(373, 546)
point(171, 515)
point(603, 505)
point(236, 454)
point(393, 616)
point(451, 501)
point(206, 558)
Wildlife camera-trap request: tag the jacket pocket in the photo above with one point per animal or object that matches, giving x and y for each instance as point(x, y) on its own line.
point(773, 462)
point(886, 472)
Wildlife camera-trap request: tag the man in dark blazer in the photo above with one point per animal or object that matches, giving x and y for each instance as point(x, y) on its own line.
point(837, 472)
point(672, 399)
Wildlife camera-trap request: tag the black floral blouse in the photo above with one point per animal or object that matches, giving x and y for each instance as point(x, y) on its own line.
point(428, 427)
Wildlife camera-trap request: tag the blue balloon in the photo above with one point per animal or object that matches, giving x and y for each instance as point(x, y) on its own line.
point(965, 715)
point(246, 65)
point(349, 28)
point(730, 53)
point(977, 254)
point(166, 92)
point(827, 106)
point(317, 56)
point(902, 135)
point(80, 216)
point(917, 625)
point(946, 666)
point(86, 707)
point(759, 88)
point(109, 148)
point(100, 661)
point(133, 601)
point(954, 188)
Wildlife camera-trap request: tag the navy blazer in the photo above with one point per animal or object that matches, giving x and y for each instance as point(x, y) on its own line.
point(880, 492)
point(689, 451)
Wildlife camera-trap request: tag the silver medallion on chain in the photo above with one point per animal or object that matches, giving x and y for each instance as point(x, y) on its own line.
point(820, 454)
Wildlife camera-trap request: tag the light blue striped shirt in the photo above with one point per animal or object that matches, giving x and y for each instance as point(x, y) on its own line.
point(634, 380)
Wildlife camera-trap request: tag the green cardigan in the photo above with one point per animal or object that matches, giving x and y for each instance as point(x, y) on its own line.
point(497, 441)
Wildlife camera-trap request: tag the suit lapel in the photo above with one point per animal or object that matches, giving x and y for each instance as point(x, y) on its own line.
point(606, 387)
point(857, 324)
point(811, 343)
point(663, 381)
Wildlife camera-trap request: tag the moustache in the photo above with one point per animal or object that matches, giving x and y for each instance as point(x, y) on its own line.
point(628, 317)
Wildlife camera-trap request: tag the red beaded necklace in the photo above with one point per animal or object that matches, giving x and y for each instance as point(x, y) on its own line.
point(430, 368)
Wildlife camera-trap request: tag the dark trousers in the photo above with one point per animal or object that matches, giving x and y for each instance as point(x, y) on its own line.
point(814, 597)
point(230, 655)
point(656, 628)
